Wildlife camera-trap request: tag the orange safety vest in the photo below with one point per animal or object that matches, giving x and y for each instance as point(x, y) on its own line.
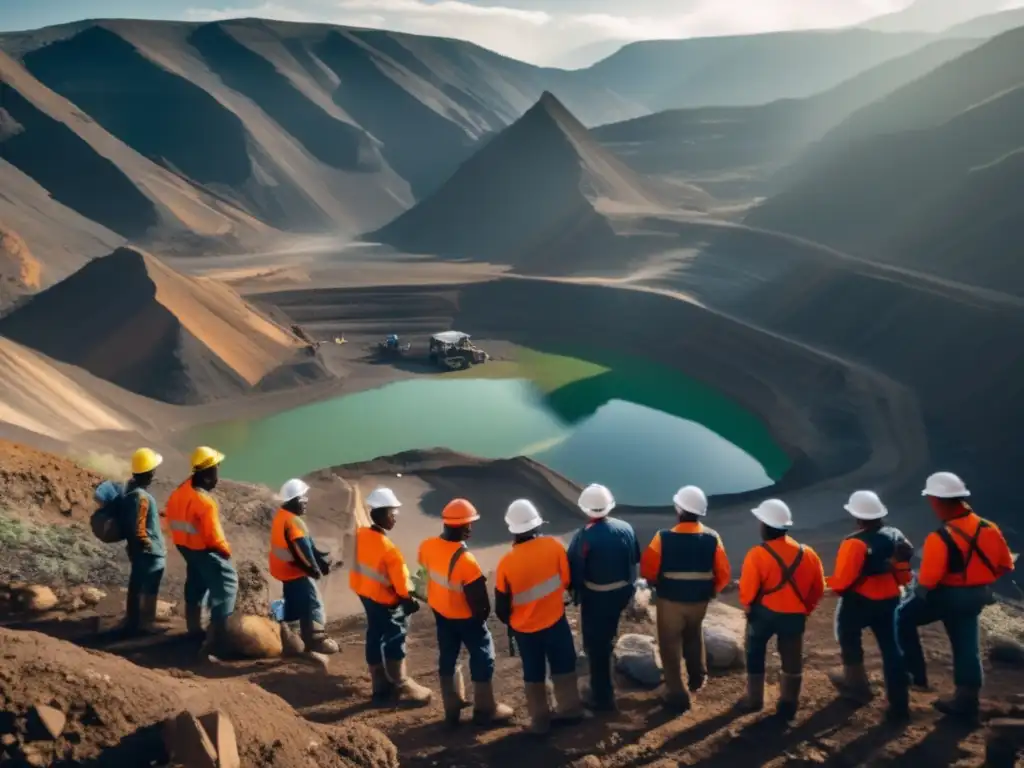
point(194, 521)
point(535, 574)
point(969, 551)
point(287, 527)
point(783, 576)
point(378, 570)
point(450, 567)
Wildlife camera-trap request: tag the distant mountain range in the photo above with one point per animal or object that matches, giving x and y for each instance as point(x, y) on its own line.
point(232, 135)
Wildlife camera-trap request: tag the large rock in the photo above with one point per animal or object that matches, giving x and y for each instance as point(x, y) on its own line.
point(637, 657)
point(35, 599)
point(724, 631)
point(251, 637)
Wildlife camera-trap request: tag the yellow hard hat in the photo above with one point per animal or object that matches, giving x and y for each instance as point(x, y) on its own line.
point(145, 460)
point(205, 457)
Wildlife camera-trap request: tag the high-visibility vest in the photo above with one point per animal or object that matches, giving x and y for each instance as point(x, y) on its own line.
point(687, 572)
point(450, 567)
point(791, 576)
point(535, 574)
point(976, 552)
point(378, 570)
point(194, 521)
point(287, 526)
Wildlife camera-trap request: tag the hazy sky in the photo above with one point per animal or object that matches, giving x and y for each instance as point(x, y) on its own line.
point(533, 30)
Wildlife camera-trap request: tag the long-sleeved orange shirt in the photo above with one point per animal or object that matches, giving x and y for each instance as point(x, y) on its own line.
point(935, 555)
point(650, 561)
point(850, 562)
point(761, 573)
point(193, 518)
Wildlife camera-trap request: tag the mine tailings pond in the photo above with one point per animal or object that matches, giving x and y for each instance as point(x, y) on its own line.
point(640, 428)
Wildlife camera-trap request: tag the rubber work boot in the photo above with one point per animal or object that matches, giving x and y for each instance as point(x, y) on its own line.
point(789, 696)
point(132, 614)
point(568, 706)
point(486, 709)
point(406, 690)
point(291, 643)
point(215, 637)
point(853, 683)
point(382, 687)
point(963, 704)
point(316, 639)
point(754, 700)
point(537, 706)
point(453, 697)
point(194, 621)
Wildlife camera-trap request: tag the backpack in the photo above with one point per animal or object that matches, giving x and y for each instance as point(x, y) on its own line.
point(106, 520)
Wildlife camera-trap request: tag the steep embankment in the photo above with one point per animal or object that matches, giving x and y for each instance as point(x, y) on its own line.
point(304, 126)
point(133, 321)
point(20, 271)
point(745, 70)
point(732, 151)
point(542, 179)
point(86, 169)
point(923, 178)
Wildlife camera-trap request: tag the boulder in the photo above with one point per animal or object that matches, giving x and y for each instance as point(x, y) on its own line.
point(724, 631)
point(221, 733)
point(187, 742)
point(92, 596)
point(35, 599)
point(45, 723)
point(1006, 650)
point(251, 637)
point(637, 657)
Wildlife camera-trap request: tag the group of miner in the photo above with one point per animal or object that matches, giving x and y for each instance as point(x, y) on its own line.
point(782, 582)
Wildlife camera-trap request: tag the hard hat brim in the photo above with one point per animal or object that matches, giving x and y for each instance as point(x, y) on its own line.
point(861, 516)
point(937, 495)
point(208, 463)
point(684, 508)
point(518, 528)
point(596, 513)
point(760, 515)
point(461, 520)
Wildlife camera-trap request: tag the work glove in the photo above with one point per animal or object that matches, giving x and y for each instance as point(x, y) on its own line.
point(410, 606)
point(323, 561)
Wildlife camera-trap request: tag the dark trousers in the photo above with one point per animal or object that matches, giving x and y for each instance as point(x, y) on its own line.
point(549, 647)
point(147, 573)
point(386, 630)
point(208, 575)
point(600, 613)
point(856, 613)
point(302, 601)
point(452, 634)
point(762, 625)
point(959, 610)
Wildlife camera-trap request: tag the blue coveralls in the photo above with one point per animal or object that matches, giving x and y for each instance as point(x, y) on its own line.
point(301, 597)
point(603, 560)
point(856, 612)
point(207, 574)
point(140, 521)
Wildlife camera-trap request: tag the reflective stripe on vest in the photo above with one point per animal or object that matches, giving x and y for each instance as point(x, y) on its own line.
point(442, 581)
point(182, 527)
point(370, 573)
point(285, 555)
point(688, 575)
point(539, 591)
point(605, 587)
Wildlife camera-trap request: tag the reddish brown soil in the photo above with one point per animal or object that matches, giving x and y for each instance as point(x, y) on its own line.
point(827, 731)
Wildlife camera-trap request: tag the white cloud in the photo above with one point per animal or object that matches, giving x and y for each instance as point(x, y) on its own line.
point(538, 35)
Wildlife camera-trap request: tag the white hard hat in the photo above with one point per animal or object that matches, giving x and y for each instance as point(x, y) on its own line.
point(522, 516)
point(865, 505)
point(945, 485)
point(293, 489)
point(691, 499)
point(381, 498)
point(596, 501)
point(774, 513)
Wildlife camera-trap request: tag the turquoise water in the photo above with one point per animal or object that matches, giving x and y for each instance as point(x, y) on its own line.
point(601, 427)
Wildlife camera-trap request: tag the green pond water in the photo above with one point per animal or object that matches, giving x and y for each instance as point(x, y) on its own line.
point(639, 428)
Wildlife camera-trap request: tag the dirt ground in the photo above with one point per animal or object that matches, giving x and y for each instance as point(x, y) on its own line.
point(51, 492)
point(827, 731)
